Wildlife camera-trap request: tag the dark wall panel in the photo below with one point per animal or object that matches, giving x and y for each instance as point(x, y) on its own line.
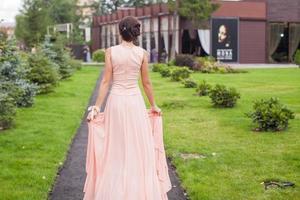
point(95, 38)
point(284, 10)
point(252, 42)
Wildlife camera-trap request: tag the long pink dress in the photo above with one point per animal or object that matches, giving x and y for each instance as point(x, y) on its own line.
point(125, 154)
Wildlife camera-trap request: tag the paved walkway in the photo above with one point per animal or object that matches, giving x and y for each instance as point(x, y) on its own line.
point(71, 176)
point(262, 65)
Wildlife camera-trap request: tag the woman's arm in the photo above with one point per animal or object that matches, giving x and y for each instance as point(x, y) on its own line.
point(147, 85)
point(105, 80)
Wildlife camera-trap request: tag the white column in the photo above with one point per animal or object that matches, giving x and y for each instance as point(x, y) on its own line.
point(164, 29)
point(108, 36)
point(177, 35)
point(147, 32)
point(155, 29)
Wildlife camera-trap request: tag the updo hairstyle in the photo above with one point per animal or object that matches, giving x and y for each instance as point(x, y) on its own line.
point(129, 28)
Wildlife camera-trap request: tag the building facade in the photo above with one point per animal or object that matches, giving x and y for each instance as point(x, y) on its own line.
point(86, 11)
point(249, 31)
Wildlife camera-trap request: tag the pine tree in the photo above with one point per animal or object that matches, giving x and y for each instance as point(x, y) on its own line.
point(13, 71)
point(32, 22)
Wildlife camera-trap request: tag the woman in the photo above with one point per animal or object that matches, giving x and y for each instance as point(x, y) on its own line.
point(127, 166)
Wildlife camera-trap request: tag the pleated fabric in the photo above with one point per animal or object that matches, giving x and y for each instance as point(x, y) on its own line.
point(125, 152)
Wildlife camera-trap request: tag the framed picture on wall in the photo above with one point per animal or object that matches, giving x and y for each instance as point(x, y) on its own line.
point(225, 39)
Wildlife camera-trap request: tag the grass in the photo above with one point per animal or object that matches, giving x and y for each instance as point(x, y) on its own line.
point(32, 151)
point(236, 159)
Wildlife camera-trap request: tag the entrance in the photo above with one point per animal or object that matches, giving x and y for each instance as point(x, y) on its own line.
point(284, 40)
point(190, 45)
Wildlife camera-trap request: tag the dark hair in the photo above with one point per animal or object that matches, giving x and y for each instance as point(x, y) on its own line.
point(129, 28)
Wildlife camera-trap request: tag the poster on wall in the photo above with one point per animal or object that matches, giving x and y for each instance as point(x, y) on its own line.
point(225, 39)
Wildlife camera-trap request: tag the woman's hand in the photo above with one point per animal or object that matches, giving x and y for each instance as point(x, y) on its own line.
point(156, 110)
point(94, 110)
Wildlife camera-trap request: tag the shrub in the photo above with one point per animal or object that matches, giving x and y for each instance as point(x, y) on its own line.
point(11, 89)
point(156, 67)
point(270, 115)
point(42, 72)
point(225, 68)
point(21, 91)
point(297, 57)
point(209, 65)
point(7, 111)
point(76, 64)
point(165, 71)
point(11, 65)
point(28, 92)
point(99, 55)
point(171, 62)
point(223, 97)
point(65, 69)
point(205, 64)
point(179, 73)
point(203, 88)
point(185, 60)
point(189, 83)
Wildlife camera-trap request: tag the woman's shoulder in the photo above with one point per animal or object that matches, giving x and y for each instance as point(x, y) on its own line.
point(114, 46)
point(141, 50)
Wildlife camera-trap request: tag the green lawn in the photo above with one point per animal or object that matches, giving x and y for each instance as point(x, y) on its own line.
point(237, 159)
point(31, 153)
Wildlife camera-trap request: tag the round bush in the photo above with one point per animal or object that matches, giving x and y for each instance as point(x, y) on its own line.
point(297, 57)
point(165, 71)
point(179, 73)
point(156, 67)
point(270, 115)
point(223, 97)
point(189, 83)
point(99, 55)
point(203, 88)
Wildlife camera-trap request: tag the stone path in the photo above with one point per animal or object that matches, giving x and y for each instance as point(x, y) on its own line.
point(71, 175)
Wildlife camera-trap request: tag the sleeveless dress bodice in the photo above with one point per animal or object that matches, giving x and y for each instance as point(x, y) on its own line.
point(126, 64)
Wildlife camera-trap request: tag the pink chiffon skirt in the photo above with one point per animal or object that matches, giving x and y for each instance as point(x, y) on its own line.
point(125, 152)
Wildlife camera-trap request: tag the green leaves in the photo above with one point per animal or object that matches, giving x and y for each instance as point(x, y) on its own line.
point(180, 73)
point(203, 88)
point(194, 10)
point(189, 83)
point(223, 97)
point(99, 56)
point(297, 57)
point(32, 22)
point(270, 115)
